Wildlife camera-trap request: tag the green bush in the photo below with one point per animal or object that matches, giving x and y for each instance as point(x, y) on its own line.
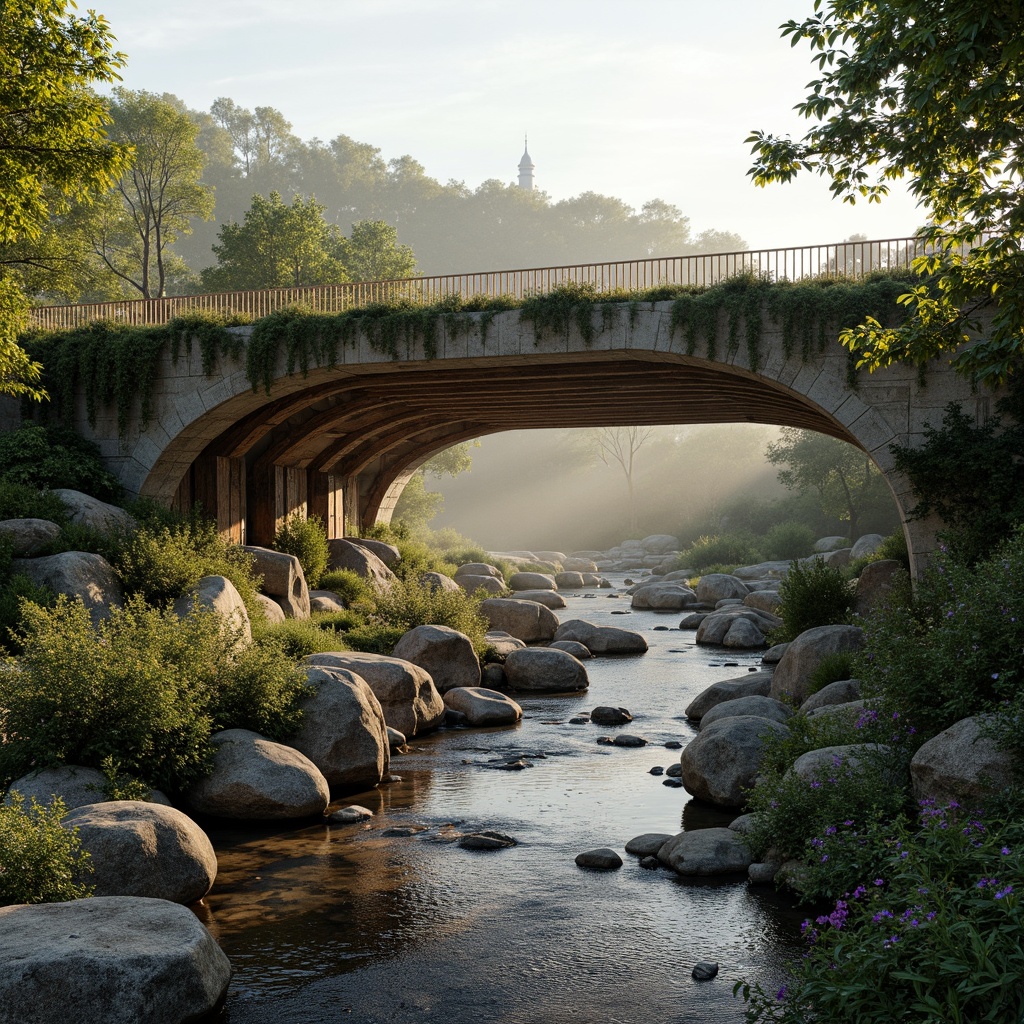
point(39, 858)
point(407, 604)
point(786, 541)
point(831, 669)
point(893, 547)
point(811, 595)
point(727, 549)
point(931, 933)
point(307, 540)
point(348, 585)
point(298, 637)
point(22, 501)
point(13, 592)
point(374, 637)
point(79, 537)
point(51, 457)
point(956, 650)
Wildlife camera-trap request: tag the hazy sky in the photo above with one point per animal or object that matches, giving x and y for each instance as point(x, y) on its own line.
point(636, 99)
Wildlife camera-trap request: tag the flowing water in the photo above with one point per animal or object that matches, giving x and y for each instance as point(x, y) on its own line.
point(389, 920)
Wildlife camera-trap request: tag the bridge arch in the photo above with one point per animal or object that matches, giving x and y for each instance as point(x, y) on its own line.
point(342, 440)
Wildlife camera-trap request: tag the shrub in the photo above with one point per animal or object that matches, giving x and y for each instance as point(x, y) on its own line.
point(831, 669)
point(931, 933)
point(955, 651)
point(811, 595)
point(51, 457)
point(17, 589)
point(407, 604)
point(39, 858)
point(307, 540)
point(374, 637)
point(728, 549)
point(788, 541)
point(296, 638)
point(894, 547)
point(21, 501)
point(348, 585)
point(79, 537)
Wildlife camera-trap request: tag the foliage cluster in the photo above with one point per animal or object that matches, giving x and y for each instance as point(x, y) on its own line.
point(144, 688)
point(831, 669)
point(305, 538)
point(812, 594)
point(727, 549)
point(788, 540)
point(40, 860)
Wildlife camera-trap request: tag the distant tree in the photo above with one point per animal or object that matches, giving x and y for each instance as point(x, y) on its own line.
point(277, 246)
point(262, 138)
point(843, 477)
point(417, 506)
point(156, 198)
point(617, 446)
point(54, 150)
point(372, 253)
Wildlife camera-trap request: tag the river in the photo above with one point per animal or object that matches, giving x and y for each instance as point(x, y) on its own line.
point(389, 920)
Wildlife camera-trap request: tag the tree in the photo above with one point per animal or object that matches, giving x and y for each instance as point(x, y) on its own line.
point(931, 92)
point(619, 446)
point(372, 253)
point(54, 150)
point(155, 199)
point(416, 506)
point(278, 246)
point(844, 477)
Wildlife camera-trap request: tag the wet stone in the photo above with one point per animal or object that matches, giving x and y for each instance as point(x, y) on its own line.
point(629, 740)
point(705, 970)
point(403, 831)
point(580, 720)
point(453, 719)
point(657, 770)
point(673, 745)
point(674, 771)
point(606, 741)
point(672, 783)
point(599, 860)
point(388, 779)
point(661, 629)
point(610, 716)
point(621, 611)
point(512, 766)
point(350, 815)
point(650, 863)
point(486, 840)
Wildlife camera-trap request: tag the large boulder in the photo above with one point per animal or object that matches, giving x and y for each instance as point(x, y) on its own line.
point(704, 852)
point(960, 764)
point(471, 584)
point(119, 960)
point(479, 569)
point(756, 704)
point(673, 595)
point(743, 635)
point(602, 639)
point(843, 691)
point(549, 598)
point(716, 586)
point(144, 849)
point(254, 778)
point(545, 670)
point(866, 545)
point(81, 574)
point(345, 554)
point(483, 707)
point(29, 536)
point(753, 683)
point(84, 510)
point(831, 544)
point(326, 601)
point(659, 544)
point(805, 654)
point(720, 764)
point(437, 582)
point(875, 584)
point(526, 620)
point(283, 579)
point(501, 644)
point(717, 625)
point(407, 695)
point(445, 653)
point(551, 556)
point(825, 763)
point(74, 785)
point(764, 600)
point(387, 553)
point(218, 594)
point(272, 611)
point(531, 581)
point(570, 580)
point(343, 731)
point(573, 647)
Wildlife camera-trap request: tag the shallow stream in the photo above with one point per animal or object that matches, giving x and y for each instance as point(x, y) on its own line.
point(389, 920)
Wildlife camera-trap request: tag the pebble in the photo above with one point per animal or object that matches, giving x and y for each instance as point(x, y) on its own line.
point(604, 715)
point(657, 770)
point(614, 597)
point(650, 863)
point(705, 970)
point(350, 815)
point(391, 778)
point(402, 831)
point(590, 595)
point(629, 740)
point(579, 720)
point(673, 745)
point(600, 860)
point(486, 841)
point(621, 611)
point(674, 771)
point(672, 783)
point(661, 629)
point(512, 766)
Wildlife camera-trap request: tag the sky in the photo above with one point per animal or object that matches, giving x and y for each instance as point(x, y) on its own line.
point(638, 99)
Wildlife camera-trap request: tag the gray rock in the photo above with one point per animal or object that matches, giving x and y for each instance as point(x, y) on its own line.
point(395, 738)
point(755, 704)
point(272, 611)
point(79, 574)
point(541, 669)
point(850, 712)
point(254, 778)
point(487, 840)
point(716, 627)
point(625, 739)
point(721, 762)
point(743, 824)
point(283, 579)
point(774, 654)
point(492, 676)
point(875, 584)
point(571, 581)
point(387, 553)
point(763, 872)
point(805, 654)
point(344, 554)
point(144, 849)
point(572, 564)
point(604, 715)
point(743, 635)
point(445, 653)
point(343, 731)
point(531, 581)
point(29, 536)
point(729, 689)
point(551, 556)
point(548, 598)
point(472, 584)
point(705, 852)
point(764, 600)
point(437, 581)
point(831, 544)
point(602, 639)
point(325, 601)
point(84, 510)
point(217, 594)
point(704, 970)
point(74, 785)
point(601, 859)
point(119, 960)
point(827, 762)
point(648, 844)
point(483, 707)
point(659, 544)
point(479, 569)
point(573, 647)
point(715, 586)
point(960, 764)
point(350, 815)
point(866, 545)
point(407, 695)
point(525, 620)
point(502, 644)
point(664, 596)
point(693, 620)
point(840, 692)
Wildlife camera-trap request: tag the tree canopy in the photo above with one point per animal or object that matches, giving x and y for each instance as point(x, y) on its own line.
point(54, 150)
point(931, 92)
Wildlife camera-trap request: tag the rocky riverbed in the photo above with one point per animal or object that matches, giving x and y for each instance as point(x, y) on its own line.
point(390, 918)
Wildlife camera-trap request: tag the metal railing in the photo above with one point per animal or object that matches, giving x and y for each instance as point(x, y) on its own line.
point(851, 260)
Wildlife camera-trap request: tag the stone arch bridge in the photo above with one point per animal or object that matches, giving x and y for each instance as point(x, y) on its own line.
point(343, 440)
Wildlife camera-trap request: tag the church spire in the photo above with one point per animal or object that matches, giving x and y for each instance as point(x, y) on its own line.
point(526, 166)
